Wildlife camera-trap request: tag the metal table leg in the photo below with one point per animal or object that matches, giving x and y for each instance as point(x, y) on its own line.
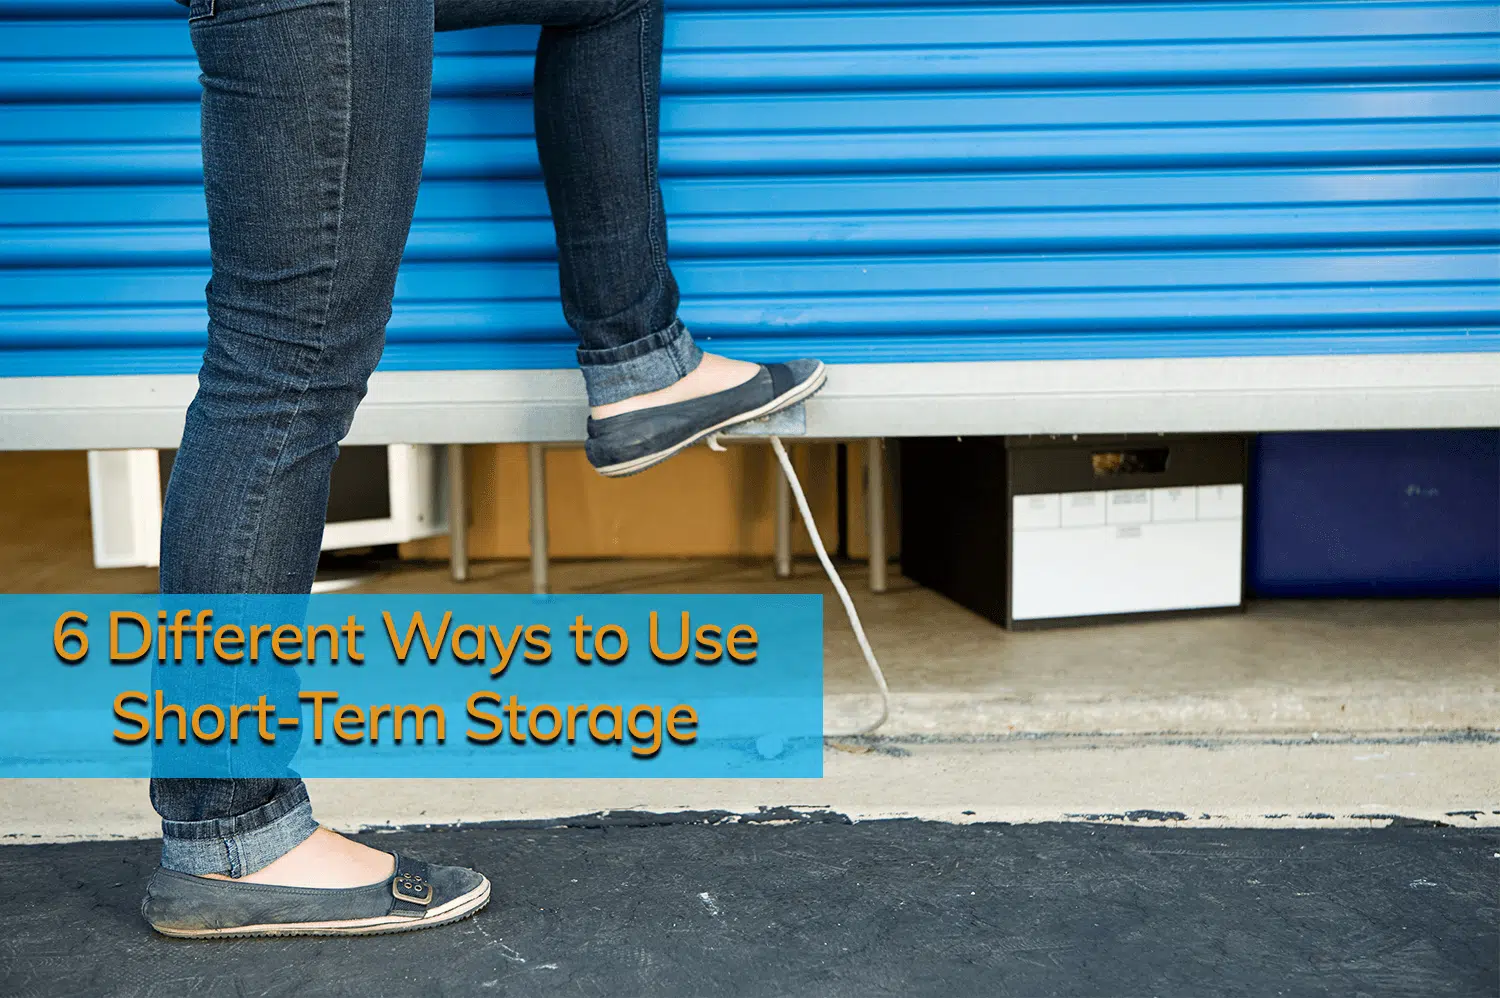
point(875, 511)
point(458, 514)
point(783, 524)
point(536, 473)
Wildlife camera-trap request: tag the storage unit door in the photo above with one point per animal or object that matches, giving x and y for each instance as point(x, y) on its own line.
point(861, 181)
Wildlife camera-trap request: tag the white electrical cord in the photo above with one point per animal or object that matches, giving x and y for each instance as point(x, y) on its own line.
point(833, 576)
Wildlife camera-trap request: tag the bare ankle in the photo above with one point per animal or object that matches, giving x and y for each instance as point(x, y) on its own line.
point(324, 859)
point(713, 374)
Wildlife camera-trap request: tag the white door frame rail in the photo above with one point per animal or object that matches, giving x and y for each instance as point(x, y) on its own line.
point(1145, 395)
point(873, 401)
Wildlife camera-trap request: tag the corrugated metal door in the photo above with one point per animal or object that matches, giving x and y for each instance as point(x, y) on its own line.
point(862, 181)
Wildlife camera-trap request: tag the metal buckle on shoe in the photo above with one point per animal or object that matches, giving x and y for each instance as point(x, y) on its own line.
point(411, 888)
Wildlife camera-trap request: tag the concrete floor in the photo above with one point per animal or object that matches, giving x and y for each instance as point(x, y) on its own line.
point(1284, 667)
point(1334, 709)
point(1292, 714)
point(1291, 667)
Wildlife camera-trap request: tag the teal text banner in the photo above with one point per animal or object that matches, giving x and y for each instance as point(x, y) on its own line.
point(411, 686)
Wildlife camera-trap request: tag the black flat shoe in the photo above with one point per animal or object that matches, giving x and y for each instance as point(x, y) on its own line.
point(634, 441)
point(416, 896)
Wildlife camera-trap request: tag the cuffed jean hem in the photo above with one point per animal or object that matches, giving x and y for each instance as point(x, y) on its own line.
point(238, 845)
point(645, 365)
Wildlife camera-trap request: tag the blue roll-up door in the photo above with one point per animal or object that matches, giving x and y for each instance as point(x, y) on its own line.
point(860, 181)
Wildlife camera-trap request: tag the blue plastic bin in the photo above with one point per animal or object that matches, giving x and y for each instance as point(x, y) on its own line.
point(1381, 513)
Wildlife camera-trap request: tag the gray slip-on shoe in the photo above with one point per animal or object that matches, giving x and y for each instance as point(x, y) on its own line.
point(415, 896)
point(634, 441)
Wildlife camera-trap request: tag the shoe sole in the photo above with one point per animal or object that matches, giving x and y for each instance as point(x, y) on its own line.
point(456, 910)
point(791, 397)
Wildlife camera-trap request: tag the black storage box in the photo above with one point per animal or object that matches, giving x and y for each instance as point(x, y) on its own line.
point(1038, 530)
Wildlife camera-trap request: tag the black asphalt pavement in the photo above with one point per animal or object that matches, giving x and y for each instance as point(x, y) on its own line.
point(706, 905)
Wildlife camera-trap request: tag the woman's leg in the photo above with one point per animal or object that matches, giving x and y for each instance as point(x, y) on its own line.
point(314, 123)
point(597, 95)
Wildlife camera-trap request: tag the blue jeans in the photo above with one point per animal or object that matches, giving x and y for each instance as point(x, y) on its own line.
point(314, 121)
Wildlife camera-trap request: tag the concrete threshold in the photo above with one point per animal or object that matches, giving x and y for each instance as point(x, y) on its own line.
point(1295, 713)
point(1260, 781)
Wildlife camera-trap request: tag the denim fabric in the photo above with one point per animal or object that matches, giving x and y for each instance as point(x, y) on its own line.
point(661, 358)
point(240, 843)
point(314, 122)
